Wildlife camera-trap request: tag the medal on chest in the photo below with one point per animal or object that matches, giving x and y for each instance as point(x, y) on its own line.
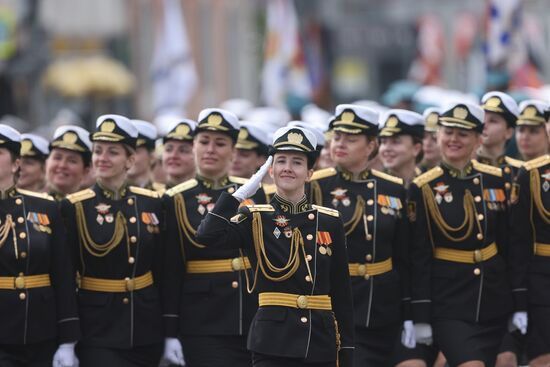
point(442, 193)
point(281, 222)
point(546, 183)
point(151, 221)
point(204, 203)
point(103, 214)
point(324, 241)
point(339, 195)
point(40, 222)
point(389, 205)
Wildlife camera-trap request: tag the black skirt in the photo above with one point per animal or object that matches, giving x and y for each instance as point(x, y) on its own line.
point(262, 360)
point(142, 356)
point(216, 351)
point(462, 341)
point(538, 332)
point(374, 347)
point(426, 353)
point(30, 355)
point(515, 342)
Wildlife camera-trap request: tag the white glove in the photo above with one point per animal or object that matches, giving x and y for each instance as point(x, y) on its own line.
point(408, 338)
point(423, 333)
point(253, 184)
point(173, 354)
point(64, 356)
point(519, 321)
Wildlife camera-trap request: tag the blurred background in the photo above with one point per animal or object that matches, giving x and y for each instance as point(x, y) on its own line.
point(69, 61)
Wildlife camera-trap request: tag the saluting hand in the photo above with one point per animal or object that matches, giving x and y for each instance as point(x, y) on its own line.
point(253, 184)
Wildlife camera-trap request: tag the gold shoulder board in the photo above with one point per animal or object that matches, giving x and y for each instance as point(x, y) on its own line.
point(322, 173)
point(537, 162)
point(269, 188)
point(184, 186)
point(157, 186)
point(41, 195)
point(260, 208)
point(81, 195)
point(428, 176)
point(485, 168)
point(513, 162)
point(144, 192)
point(387, 177)
point(327, 211)
point(238, 180)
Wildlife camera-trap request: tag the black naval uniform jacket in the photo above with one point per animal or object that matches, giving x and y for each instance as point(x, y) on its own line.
point(383, 299)
point(283, 331)
point(118, 319)
point(510, 169)
point(31, 315)
point(213, 303)
point(531, 225)
point(472, 292)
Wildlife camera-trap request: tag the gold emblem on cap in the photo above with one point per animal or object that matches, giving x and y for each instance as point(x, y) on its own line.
point(243, 134)
point(460, 113)
point(432, 118)
point(214, 119)
point(493, 102)
point(108, 126)
point(70, 137)
point(26, 147)
point(392, 122)
point(530, 112)
point(182, 130)
point(295, 138)
point(348, 117)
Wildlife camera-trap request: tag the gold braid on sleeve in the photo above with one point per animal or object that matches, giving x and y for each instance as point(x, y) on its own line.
point(96, 249)
point(356, 217)
point(470, 216)
point(183, 221)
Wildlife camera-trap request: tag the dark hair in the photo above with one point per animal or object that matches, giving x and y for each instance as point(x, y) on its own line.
point(420, 156)
point(311, 156)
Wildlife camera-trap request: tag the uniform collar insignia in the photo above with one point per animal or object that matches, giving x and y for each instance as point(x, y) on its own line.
point(213, 184)
point(9, 193)
point(349, 176)
point(290, 207)
point(454, 172)
point(491, 162)
point(110, 194)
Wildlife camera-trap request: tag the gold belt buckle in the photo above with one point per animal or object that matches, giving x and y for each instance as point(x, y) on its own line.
point(237, 264)
point(361, 270)
point(478, 256)
point(130, 284)
point(301, 301)
point(20, 282)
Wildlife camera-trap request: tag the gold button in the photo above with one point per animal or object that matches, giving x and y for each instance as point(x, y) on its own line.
point(237, 264)
point(477, 271)
point(303, 319)
point(507, 169)
point(235, 284)
point(361, 270)
point(309, 257)
point(20, 281)
point(370, 218)
point(479, 236)
point(308, 278)
point(133, 239)
point(22, 235)
point(20, 220)
point(125, 300)
point(478, 257)
point(130, 284)
point(370, 202)
point(131, 260)
point(18, 201)
point(311, 216)
point(367, 277)
point(309, 237)
point(301, 302)
point(231, 190)
point(132, 219)
point(480, 216)
point(22, 296)
point(370, 185)
point(477, 199)
point(23, 254)
point(368, 257)
point(130, 201)
point(369, 237)
point(476, 181)
point(507, 185)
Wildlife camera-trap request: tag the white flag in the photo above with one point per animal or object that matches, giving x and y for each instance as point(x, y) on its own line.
point(173, 71)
